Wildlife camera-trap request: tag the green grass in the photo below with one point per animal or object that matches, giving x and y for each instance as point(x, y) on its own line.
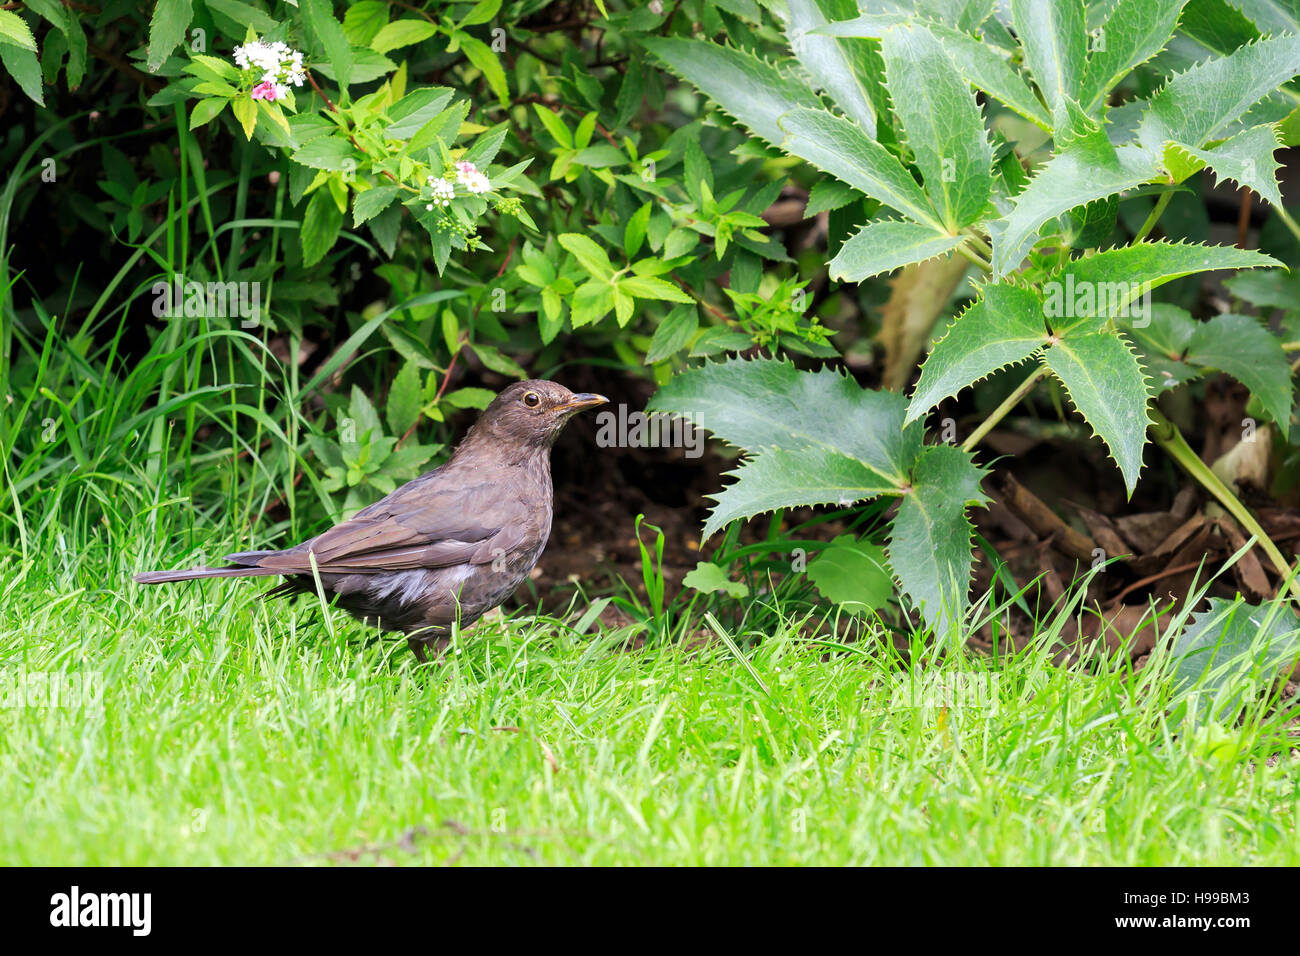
point(237, 732)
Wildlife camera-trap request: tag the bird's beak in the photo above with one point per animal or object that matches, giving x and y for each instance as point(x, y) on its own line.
point(580, 401)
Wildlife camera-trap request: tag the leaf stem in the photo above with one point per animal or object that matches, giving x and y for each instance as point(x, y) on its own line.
point(1167, 436)
point(1156, 213)
point(1288, 221)
point(1002, 410)
point(974, 256)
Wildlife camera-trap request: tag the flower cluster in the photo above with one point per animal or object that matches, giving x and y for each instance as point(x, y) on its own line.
point(472, 179)
point(443, 191)
point(279, 64)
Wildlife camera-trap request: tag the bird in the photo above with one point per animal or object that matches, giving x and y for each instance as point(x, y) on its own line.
point(447, 546)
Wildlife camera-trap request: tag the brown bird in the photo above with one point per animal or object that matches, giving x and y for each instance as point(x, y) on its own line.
point(447, 546)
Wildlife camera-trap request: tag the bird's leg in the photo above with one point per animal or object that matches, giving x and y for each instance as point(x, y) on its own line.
point(417, 646)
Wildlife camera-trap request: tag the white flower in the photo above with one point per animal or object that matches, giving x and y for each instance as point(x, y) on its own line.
point(279, 64)
point(472, 179)
point(443, 191)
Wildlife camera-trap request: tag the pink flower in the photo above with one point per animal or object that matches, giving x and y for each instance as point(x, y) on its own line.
point(266, 91)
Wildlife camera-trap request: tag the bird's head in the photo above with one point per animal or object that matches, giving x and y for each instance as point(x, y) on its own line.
point(531, 414)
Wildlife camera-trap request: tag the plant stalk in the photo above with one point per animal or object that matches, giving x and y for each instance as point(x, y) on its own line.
point(1002, 410)
point(1167, 436)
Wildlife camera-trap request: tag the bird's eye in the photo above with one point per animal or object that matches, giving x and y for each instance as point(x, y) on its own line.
point(532, 399)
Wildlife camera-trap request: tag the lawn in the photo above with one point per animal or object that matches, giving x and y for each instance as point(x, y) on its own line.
point(233, 731)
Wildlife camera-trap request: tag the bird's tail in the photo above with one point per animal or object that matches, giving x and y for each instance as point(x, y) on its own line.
point(191, 574)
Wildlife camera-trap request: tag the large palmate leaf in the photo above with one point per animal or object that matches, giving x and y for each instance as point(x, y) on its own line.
point(840, 147)
point(1246, 158)
point(1229, 653)
point(819, 438)
point(1003, 327)
point(1134, 31)
point(1084, 293)
point(1106, 384)
point(831, 63)
point(1055, 39)
point(930, 547)
point(884, 246)
point(752, 90)
point(942, 122)
point(763, 404)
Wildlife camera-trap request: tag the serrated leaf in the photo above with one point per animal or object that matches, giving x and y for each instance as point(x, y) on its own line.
point(853, 572)
point(767, 403)
point(372, 202)
point(1199, 105)
point(827, 195)
point(320, 227)
point(1244, 349)
point(1162, 338)
point(839, 147)
point(749, 89)
point(1229, 653)
point(649, 287)
point(25, 69)
point(829, 64)
point(884, 246)
point(326, 152)
point(167, 29)
point(592, 258)
point(930, 541)
point(1087, 169)
point(1133, 32)
point(405, 399)
point(1246, 159)
point(1004, 327)
point(779, 478)
point(1086, 292)
point(206, 110)
point(320, 17)
point(1054, 37)
point(942, 122)
point(14, 30)
point(400, 33)
point(412, 111)
point(1105, 382)
point(673, 333)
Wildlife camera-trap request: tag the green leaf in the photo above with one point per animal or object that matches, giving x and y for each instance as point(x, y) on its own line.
point(1134, 32)
point(1162, 338)
point(326, 152)
point(943, 123)
point(1106, 384)
point(839, 147)
point(496, 361)
point(554, 125)
point(749, 89)
point(320, 18)
point(481, 12)
point(648, 287)
point(1246, 158)
point(930, 543)
point(589, 255)
point(1088, 168)
point(489, 64)
point(635, 231)
point(887, 245)
point(853, 572)
point(708, 578)
point(407, 115)
point(1086, 292)
point(167, 29)
point(469, 398)
point(1003, 327)
point(205, 111)
point(828, 195)
point(1240, 346)
point(1199, 105)
point(1055, 40)
point(829, 63)
point(405, 399)
point(673, 333)
point(320, 227)
point(765, 403)
point(14, 30)
point(372, 202)
point(1228, 654)
point(245, 110)
point(25, 69)
point(400, 33)
point(363, 20)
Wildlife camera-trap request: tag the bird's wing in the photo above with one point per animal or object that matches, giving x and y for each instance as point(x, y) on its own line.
point(424, 524)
